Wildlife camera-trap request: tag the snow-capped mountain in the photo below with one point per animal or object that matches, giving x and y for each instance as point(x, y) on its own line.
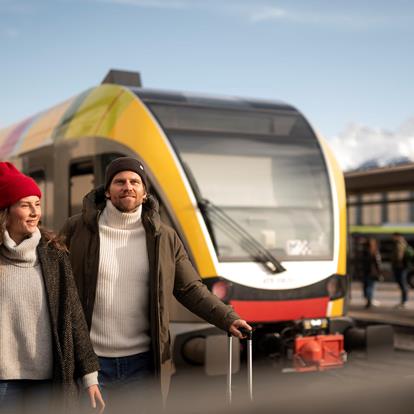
point(363, 147)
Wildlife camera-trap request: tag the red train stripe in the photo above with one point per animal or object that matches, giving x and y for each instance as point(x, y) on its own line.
point(271, 311)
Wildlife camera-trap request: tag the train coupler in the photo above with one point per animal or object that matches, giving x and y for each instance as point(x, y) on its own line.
point(319, 352)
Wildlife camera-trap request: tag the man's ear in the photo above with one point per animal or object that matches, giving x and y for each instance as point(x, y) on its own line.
point(107, 194)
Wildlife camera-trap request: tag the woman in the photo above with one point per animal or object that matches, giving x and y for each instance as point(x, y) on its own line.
point(44, 341)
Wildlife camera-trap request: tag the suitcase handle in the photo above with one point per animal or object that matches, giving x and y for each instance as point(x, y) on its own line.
point(249, 335)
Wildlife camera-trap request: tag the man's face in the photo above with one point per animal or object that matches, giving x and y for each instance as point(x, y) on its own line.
point(126, 191)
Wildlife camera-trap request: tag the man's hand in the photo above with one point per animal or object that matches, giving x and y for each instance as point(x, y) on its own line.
point(239, 323)
point(96, 398)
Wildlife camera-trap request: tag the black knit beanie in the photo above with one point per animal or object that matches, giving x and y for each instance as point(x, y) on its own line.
point(124, 164)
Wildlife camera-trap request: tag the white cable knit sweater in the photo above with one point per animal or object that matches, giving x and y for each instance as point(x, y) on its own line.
point(120, 320)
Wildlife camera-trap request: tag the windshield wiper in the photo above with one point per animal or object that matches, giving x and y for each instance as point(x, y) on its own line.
point(233, 229)
point(241, 236)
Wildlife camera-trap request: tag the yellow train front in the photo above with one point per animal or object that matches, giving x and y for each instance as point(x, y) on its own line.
point(253, 192)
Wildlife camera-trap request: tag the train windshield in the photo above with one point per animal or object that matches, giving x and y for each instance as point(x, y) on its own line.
point(263, 170)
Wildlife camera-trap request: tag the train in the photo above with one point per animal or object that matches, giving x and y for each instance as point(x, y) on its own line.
point(253, 191)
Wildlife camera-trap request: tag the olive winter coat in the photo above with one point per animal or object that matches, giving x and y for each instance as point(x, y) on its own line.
point(171, 273)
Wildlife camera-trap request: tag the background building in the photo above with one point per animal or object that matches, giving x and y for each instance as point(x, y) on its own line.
point(381, 196)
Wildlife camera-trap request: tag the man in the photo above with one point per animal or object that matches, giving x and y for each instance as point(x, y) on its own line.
point(398, 262)
point(127, 265)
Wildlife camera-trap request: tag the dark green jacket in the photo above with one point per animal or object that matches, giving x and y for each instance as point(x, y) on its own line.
point(171, 273)
point(73, 355)
point(398, 253)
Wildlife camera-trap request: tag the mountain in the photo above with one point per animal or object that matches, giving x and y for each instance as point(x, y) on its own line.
point(384, 162)
point(363, 147)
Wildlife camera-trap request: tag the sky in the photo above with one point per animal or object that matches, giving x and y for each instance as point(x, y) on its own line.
point(347, 66)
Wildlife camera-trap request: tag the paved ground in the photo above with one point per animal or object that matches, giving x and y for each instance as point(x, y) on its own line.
point(388, 295)
point(367, 383)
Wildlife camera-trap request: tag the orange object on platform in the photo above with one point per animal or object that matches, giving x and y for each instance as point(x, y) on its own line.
point(319, 352)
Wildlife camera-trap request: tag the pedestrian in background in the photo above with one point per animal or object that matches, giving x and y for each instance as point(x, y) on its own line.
point(44, 341)
point(399, 267)
point(374, 272)
point(368, 267)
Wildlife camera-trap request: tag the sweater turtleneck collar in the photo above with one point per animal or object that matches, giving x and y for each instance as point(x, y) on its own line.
point(23, 254)
point(112, 217)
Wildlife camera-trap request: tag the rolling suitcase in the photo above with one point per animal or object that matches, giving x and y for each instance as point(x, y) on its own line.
point(249, 335)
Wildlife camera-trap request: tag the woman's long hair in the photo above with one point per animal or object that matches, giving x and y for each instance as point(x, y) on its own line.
point(3, 222)
point(50, 237)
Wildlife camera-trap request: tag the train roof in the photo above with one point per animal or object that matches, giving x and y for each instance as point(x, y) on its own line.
point(211, 101)
point(94, 112)
point(132, 80)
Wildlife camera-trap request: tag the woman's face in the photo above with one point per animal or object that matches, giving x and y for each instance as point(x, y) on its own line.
point(23, 218)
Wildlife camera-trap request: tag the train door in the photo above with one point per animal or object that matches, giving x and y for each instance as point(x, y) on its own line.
point(76, 177)
point(81, 181)
point(84, 175)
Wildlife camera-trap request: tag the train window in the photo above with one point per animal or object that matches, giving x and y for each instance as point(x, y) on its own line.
point(188, 118)
point(265, 171)
point(399, 206)
point(352, 210)
point(371, 209)
point(81, 182)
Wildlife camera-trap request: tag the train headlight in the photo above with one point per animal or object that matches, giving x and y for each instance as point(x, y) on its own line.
point(314, 324)
point(332, 287)
point(221, 289)
point(336, 286)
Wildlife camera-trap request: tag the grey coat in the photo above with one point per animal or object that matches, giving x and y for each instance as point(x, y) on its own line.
point(73, 355)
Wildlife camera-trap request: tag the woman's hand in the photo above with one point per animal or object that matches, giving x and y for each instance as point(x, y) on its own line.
point(96, 399)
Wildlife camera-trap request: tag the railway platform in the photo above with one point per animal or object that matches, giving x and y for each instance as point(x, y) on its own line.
point(388, 296)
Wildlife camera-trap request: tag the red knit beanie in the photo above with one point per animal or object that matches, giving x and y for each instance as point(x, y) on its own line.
point(14, 185)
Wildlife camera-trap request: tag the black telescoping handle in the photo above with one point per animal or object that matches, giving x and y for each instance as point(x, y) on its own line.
point(247, 333)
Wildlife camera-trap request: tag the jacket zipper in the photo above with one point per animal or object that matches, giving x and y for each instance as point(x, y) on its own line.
point(91, 292)
point(156, 303)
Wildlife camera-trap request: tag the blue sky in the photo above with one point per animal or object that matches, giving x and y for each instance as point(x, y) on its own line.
point(340, 63)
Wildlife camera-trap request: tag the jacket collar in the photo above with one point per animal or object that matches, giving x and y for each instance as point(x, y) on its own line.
point(95, 201)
